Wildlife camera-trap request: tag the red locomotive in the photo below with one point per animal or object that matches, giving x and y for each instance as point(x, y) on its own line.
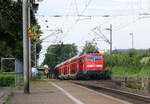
point(86, 66)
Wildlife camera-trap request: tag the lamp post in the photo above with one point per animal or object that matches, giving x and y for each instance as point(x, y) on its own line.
point(132, 36)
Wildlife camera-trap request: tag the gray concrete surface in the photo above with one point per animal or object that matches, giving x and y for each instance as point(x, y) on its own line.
point(89, 96)
point(4, 92)
point(41, 93)
point(61, 92)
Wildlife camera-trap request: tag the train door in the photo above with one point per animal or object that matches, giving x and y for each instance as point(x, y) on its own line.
point(80, 63)
point(77, 63)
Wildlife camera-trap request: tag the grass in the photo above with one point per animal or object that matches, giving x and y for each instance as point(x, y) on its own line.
point(7, 79)
point(119, 71)
point(133, 85)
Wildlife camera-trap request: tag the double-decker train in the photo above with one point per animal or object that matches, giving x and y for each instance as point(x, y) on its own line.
point(86, 66)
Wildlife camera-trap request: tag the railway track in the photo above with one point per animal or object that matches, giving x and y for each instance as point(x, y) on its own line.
point(98, 87)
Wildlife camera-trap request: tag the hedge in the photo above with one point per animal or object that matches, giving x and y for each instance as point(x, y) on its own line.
point(7, 79)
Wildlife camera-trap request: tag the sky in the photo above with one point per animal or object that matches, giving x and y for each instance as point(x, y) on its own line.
point(78, 21)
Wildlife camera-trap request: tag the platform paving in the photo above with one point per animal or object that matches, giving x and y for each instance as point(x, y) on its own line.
point(4, 93)
point(60, 92)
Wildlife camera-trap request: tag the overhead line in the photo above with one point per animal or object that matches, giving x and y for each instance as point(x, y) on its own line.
point(77, 10)
point(79, 16)
point(86, 6)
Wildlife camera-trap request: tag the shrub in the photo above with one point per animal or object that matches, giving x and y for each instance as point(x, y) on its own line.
point(7, 80)
point(133, 85)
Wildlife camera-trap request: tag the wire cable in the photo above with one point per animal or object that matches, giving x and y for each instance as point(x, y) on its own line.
point(76, 7)
point(76, 21)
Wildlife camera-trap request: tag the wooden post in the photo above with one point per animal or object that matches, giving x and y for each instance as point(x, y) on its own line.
point(146, 84)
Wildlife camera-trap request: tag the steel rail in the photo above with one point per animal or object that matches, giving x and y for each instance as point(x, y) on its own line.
point(116, 91)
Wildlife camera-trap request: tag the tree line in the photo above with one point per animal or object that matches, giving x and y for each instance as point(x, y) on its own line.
point(132, 63)
point(11, 37)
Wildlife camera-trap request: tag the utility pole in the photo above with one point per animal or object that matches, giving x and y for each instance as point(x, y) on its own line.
point(132, 39)
point(35, 55)
point(29, 25)
point(111, 46)
point(25, 46)
point(110, 42)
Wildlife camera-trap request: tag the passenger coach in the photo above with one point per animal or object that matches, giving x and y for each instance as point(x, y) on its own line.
point(86, 66)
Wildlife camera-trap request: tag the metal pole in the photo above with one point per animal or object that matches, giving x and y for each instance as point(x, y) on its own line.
point(29, 22)
point(16, 72)
point(1, 65)
point(37, 63)
point(111, 46)
point(35, 53)
point(132, 40)
point(25, 46)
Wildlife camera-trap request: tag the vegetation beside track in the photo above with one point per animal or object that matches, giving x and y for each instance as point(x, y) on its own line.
point(131, 64)
point(133, 85)
point(119, 71)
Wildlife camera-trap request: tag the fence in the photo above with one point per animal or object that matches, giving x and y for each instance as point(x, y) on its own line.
point(145, 82)
point(18, 69)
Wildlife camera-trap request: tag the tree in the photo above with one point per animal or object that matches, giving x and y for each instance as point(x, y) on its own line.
point(59, 53)
point(89, 48)
point(11, 29)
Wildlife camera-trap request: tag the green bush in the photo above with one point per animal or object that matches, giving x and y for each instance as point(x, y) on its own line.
point(133, 85)
point(145, 71)
point(7, 80)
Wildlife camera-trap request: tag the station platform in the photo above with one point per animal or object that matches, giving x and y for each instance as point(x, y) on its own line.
point(4, 93)
point(60, 92)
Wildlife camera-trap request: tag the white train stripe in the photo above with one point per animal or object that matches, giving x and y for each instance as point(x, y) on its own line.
point(99, 65)
point(68, 94)
point(94, 66)
point(90, 66)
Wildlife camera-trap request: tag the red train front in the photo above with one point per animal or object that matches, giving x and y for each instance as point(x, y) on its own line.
point(86, 66)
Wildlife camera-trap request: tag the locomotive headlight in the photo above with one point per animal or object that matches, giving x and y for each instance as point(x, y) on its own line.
point(90, 66)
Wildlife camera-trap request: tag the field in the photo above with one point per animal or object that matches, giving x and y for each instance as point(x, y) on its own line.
point(119, 71)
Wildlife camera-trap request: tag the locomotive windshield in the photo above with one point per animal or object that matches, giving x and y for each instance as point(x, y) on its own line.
point(94, 58)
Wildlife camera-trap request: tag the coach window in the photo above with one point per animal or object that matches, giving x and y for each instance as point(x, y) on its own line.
point(90, 58)
point(98, 58)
